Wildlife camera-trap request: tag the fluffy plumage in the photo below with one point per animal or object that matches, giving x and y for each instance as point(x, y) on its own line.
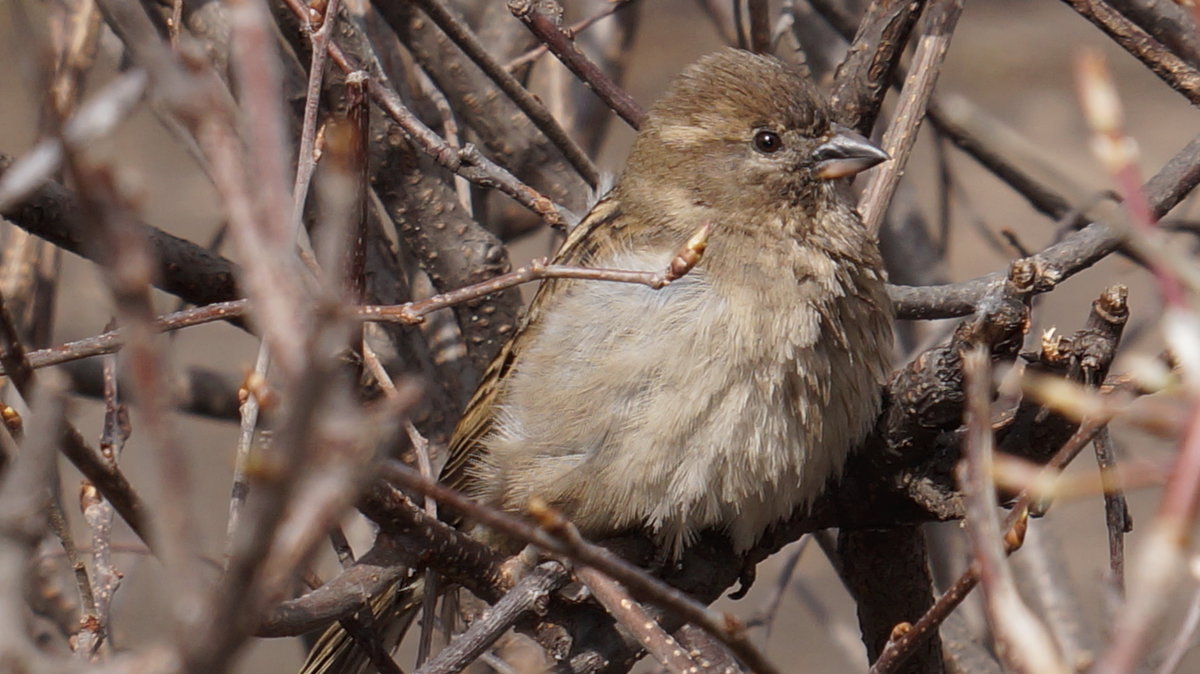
point(729, 397)
point(726, 399)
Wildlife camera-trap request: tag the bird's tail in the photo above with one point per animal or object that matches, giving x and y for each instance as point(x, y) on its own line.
point(336, 652)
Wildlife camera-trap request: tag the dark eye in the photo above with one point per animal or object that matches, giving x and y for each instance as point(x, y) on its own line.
point(767, 142)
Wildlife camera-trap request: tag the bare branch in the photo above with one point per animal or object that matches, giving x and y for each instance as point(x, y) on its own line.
point(559, 44)
point(723, 627)
point(1062, 260)
point(898, 140)
point(1177, 73)
point(530, 594)
point(1021, 639)
point(862, 78)
point(536, 112)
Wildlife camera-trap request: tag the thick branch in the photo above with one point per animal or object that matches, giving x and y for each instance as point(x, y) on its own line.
point(185, 269)
point(862, 79)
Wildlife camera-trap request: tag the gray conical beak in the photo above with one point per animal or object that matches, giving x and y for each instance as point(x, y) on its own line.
point(847, 153)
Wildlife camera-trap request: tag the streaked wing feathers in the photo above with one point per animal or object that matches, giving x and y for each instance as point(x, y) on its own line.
point(476, 422)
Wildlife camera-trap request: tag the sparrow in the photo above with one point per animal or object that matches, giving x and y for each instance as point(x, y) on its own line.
point(732, 396)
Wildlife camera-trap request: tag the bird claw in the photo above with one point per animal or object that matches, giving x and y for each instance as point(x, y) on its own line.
point(745, 581)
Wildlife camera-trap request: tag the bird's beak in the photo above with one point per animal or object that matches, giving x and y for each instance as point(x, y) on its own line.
point(847, 153)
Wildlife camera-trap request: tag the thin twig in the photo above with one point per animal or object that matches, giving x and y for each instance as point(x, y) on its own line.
point(1022, 641)
point(450, 131)
point(87, 639)
point(588, 72)
point(685, 258)
point(250, 393)
point(113, 340)
point(1116, 509)
point(529, 594)
point(527, 102)
point(566, 541)
point(634, 617)
point(408, 313)
point(571, 31)
point(98, 512)
point(898, 140)
point(306, 162)
point(175, 24)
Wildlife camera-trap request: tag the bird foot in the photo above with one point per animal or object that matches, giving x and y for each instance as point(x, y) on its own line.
point(745, 580)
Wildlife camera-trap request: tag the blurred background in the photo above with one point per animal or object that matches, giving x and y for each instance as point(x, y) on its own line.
point(1011, 63)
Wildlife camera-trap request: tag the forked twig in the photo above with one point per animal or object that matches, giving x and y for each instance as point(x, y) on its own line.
point(570, 31)
point(527, 102)
point(559, 44)
point(529, 594)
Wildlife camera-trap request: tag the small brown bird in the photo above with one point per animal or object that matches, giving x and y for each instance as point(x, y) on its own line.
point(732, 396)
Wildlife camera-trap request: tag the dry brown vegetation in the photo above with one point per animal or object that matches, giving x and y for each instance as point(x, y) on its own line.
point(337, 193)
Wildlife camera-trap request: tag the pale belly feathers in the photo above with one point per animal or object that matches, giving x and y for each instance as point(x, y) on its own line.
point(749, 436)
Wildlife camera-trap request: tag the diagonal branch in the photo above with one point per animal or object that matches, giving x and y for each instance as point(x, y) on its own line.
point(527, 102)
point(1062, 260)
point(1173, 70)
point(862, 78)
point(901, 134)
point(560, 44)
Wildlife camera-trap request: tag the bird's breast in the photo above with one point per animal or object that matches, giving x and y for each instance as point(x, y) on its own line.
point(710, 402)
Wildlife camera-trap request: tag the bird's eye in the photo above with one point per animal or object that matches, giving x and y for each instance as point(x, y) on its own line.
point(767, 142)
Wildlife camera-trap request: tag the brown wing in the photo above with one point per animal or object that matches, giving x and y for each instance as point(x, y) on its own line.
point(466, 443)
